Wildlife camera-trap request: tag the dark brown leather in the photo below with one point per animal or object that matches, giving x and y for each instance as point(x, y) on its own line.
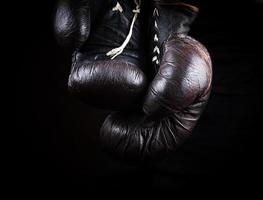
point(73, 19)
point(173, 105)
point(160, 94)
point(183, 79)
point(175, 97)
point(117, 84)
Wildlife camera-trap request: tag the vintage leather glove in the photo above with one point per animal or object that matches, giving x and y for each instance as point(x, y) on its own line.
point(108, 59)
point(177, 94)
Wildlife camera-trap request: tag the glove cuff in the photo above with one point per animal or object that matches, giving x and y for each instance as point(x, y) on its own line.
point(172, 16)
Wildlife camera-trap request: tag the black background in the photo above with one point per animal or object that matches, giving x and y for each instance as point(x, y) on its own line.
point(59, 135)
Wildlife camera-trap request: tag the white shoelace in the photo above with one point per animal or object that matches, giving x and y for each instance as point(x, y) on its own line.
point(156, 49)
point(117, 51)
point(118, 7)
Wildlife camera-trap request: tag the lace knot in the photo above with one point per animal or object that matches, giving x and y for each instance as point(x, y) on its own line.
point(117, 51)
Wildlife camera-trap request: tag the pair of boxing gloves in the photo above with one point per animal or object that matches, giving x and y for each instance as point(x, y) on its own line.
point(134, 57)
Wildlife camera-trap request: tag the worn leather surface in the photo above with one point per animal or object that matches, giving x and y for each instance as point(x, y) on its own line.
point(72, 21)
point(159, 103)
point(173, 104)
point(58, 144)
point(175, 97)
point(117, 84)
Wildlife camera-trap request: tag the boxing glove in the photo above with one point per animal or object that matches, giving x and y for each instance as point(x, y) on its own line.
point(177, 94)
point(108, 60)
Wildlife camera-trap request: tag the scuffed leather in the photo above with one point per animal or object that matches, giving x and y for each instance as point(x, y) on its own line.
point(174, 102)
point(183, 79)
point(157, 105)
point(175, 97)
point(73, 20)
point(118, 84)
